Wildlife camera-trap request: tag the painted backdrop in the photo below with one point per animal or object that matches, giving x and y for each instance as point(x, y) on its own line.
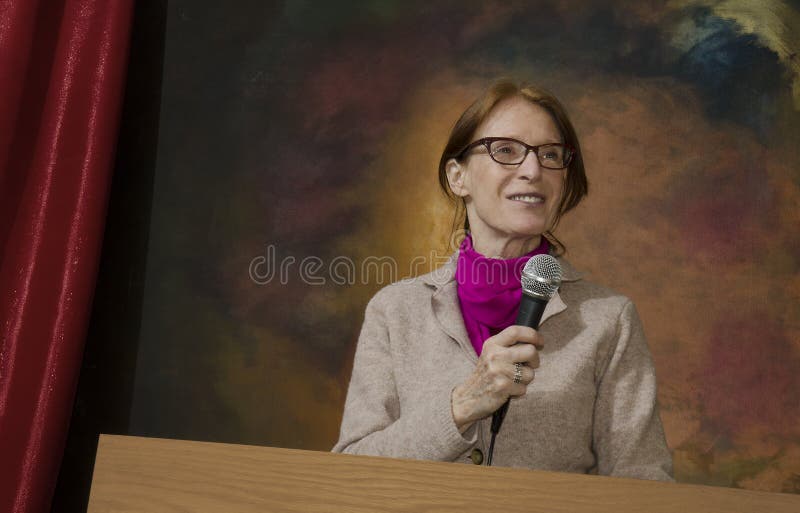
point(296, 176)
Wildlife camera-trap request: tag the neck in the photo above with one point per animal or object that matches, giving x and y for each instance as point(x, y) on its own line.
point(505, 248)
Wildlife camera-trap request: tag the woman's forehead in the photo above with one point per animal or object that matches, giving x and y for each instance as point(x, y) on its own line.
point(521, 119)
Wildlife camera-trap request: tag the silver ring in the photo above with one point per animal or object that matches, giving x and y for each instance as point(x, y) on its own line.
point(517, 373)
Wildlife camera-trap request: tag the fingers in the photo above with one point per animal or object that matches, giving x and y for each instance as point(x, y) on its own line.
point(526, 374)
point(524, 353)
point(499, 357)
point(504, 386)
point(515, 334)
point(505, 376)
point(493, 380)
point(517, 390)
point(513, 344)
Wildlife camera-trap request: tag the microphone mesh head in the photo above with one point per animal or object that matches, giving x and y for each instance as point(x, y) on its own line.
point(541, 276)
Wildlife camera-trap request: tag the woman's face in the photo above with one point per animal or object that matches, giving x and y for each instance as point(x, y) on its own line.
point(510, 201)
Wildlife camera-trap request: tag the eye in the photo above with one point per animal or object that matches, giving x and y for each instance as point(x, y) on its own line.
point(507, 151)
point(551, 153)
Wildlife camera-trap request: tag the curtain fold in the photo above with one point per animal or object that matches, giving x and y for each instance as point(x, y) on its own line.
point(62, 70)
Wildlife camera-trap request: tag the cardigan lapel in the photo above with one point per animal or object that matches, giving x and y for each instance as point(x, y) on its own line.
point(556, 304)
point(446, 307)
point(447, 311)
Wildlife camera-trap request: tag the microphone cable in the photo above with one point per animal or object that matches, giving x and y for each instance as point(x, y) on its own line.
point(497, 421)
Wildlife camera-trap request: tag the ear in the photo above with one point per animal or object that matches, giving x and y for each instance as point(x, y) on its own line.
point(456, 177)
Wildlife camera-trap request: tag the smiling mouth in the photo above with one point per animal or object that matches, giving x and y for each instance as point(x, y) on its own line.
point(527, 198)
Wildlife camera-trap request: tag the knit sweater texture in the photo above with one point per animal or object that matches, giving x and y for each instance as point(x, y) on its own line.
point(591, 407)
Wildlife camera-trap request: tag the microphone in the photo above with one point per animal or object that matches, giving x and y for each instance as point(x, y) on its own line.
point(541, 278)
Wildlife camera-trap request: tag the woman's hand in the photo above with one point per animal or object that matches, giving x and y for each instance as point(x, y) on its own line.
point(492, 381)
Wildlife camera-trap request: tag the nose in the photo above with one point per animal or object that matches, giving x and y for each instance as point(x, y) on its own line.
point(530, 168)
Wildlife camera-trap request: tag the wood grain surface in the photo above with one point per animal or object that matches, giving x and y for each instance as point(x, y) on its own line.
point(153, 475)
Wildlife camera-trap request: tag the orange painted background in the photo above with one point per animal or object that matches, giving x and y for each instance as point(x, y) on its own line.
point(290, 132)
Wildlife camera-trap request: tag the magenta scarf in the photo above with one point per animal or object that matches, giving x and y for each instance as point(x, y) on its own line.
point(489, 290)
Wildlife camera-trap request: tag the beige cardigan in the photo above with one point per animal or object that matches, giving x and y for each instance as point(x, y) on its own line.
point(590, 409)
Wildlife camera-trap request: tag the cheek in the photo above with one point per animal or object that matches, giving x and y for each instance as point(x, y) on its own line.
point(484, 182)
point(557, 184)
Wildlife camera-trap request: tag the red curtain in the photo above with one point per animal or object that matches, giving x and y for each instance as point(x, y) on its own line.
point(62, 70)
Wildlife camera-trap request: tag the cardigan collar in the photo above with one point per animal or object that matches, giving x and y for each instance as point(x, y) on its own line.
point(447, 311)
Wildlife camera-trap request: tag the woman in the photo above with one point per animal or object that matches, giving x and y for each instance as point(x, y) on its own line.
point(437, 355)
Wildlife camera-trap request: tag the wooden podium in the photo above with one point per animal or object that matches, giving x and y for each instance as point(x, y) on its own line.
point(151, 475)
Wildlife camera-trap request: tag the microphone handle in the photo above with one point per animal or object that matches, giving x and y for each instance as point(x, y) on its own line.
point(530, 313)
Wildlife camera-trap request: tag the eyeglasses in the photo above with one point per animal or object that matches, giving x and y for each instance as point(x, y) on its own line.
point(507, 151)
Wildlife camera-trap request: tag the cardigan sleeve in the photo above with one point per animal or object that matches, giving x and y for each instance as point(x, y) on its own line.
point(628, 435)
point(373, 422)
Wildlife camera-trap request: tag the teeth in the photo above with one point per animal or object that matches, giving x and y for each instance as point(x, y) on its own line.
point(527, 198)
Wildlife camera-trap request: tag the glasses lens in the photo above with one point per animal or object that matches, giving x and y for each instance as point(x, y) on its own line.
point(553, 156)
point(507, 152)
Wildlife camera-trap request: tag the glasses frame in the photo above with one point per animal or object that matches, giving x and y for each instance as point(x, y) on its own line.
point(487, 142)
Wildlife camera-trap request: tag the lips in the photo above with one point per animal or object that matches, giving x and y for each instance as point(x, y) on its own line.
point(532, 198)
